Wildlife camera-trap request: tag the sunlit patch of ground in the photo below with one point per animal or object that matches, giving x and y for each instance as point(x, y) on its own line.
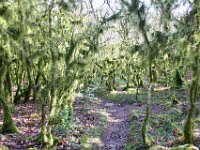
point(161, 88)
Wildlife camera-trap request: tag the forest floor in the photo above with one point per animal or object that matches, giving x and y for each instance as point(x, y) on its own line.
point(109, 121)
point(114, 130)
point(101, 124)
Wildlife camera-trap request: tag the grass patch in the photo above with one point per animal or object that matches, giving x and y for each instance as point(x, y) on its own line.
point(160, 95)
point(134, 138)
point(163, 129)
point(123, 97)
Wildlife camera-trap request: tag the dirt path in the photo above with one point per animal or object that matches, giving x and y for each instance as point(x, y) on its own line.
point(115, 136)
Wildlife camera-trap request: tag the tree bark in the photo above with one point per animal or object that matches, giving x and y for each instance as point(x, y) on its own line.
point(189, 124)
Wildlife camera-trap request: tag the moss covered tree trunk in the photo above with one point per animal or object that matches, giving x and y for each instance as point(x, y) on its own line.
point(47, 139)
point(189, 124)
point(26, 60)
point(19, 82)
point(8, 123)
point(45, 136)
point(70, 100)
point(146, 141)
point(37, 81)
point(8, 85)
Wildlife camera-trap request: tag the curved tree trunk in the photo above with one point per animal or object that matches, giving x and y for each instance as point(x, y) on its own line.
point(8, 123)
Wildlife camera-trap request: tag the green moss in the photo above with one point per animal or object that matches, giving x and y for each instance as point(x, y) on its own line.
point(130, 147)
point(145, 139)
point(47, 139)
point(3, 147)
point(8, 123)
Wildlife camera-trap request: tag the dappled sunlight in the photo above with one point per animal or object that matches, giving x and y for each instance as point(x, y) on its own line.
point(161, 88)
point(95, 101)
point(197, 133)
point(118, 92)
point(106, 114)
point(109, 116)
point(111, 119)
point(95, 140)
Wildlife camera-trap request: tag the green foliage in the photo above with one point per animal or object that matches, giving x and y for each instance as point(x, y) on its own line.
point(2, 147)
point(8, 124)
point(135, 139)
point(64, 119)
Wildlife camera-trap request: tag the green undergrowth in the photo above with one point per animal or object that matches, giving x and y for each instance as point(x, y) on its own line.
point(2, 147)
point(126, 98)
point(134, 138)
point(168, 113)
point(164, 128)
point(160, 95)
point(122, 97)
point(92, 140)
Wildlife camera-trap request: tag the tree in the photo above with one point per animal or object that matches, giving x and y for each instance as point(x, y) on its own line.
point(194, 54)
point(7, 32)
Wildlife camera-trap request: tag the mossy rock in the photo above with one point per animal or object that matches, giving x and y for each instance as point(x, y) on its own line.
point(159, 147)
point(3, 147)
point(185, 147)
